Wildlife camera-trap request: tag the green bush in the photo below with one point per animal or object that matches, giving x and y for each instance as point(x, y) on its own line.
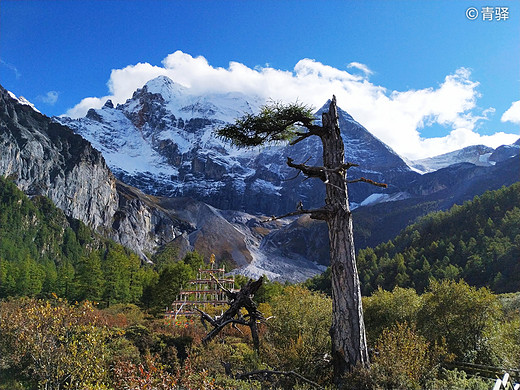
point(384, 309)
point(463, 316)
point(298, 337)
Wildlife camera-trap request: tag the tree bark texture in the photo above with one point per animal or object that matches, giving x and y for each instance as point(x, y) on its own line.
point(349, 345)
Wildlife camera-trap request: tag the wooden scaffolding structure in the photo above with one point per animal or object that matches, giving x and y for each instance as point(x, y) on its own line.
point(203, 290)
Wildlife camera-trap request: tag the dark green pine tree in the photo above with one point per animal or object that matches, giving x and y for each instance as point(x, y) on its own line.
point(172, 278)
point(89, 281)
point(65, 280)
point(293, 123)
point(113, 270)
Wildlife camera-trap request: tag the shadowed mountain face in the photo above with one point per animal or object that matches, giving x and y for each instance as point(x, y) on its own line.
point(46, 158)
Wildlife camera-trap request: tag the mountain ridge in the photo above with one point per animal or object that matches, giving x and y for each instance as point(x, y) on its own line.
point(162, 141)
point(479, 155)
point(170, 133)
point(256, 181)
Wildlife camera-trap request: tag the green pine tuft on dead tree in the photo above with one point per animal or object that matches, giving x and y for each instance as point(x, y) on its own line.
point(274, 124)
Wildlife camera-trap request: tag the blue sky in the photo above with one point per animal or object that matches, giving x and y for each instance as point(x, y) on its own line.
point(405, 69)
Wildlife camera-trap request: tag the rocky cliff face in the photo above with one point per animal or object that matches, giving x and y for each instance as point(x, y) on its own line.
point(143, 225)
point(46, 158)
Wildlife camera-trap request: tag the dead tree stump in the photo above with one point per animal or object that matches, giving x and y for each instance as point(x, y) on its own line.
point(237, 300)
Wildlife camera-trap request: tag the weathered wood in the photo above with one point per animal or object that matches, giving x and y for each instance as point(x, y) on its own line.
point(349, 344)
point(321, 214)
point(238, 300)
point(369, 181)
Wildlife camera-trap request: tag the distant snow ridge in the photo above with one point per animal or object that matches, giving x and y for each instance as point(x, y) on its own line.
point(380, 198)
point(475, 154)
point(23, 101)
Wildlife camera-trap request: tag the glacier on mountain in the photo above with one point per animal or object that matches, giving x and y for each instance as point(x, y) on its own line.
point(162, 140)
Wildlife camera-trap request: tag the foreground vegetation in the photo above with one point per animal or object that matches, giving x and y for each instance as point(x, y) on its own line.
point(52, 344)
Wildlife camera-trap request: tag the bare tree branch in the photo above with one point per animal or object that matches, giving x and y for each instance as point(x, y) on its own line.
point(365, 180)
point(298, 174)
point(318, 172)
point(230, 294)
point(238, 300)
point(313, 130)
point(320, 214)
point(292, 178)
point(322, 173)
point(349, 165)
point(301, 137)
point(206, 317)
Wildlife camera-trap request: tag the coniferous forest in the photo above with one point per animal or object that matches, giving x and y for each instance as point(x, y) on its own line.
point(478, 242)
point(42, 252)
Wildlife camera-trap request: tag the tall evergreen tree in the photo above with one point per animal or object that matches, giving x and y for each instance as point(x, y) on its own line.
point(89, 278)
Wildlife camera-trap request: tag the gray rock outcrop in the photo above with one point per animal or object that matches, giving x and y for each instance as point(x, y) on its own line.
point(46, 158)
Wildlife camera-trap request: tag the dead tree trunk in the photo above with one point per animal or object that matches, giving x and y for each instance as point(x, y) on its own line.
point(349, 345)
point(277, 123)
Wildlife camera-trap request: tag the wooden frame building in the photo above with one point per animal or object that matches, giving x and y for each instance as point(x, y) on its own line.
point(202, 291)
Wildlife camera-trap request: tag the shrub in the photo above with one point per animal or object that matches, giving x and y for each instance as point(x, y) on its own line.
point(384, 309)
point(404, 359)
point(54, 344)
point(298, 333)
point(463, 315)
point(455, 380)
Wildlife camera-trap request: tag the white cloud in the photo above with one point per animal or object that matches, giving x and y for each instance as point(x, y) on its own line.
point(395, 117)
point(463, 137)
point(362, 67)
point(50, 98)
point(82, 107)
point(11, 67)
point(512, 114)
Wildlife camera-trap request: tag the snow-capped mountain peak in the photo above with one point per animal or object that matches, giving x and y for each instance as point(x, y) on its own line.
point(163, 141)
point(475, 154)
point(182, 102)
point(167, 88)
point(23, 101)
